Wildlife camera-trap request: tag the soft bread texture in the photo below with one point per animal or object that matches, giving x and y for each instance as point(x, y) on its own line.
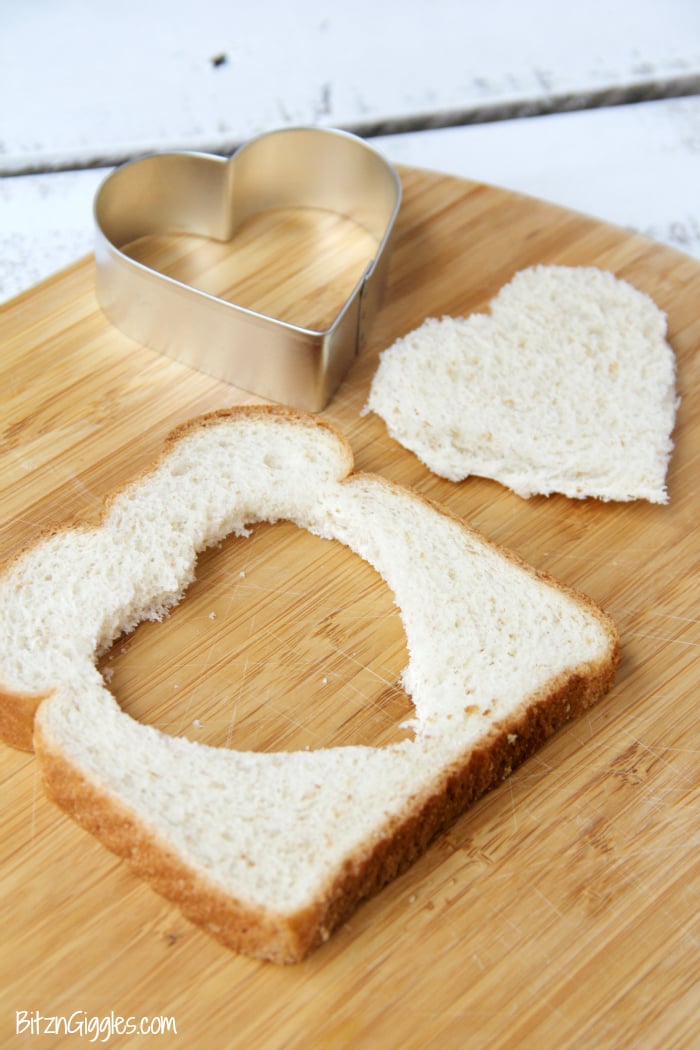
point(270, 852)
point(568, 386)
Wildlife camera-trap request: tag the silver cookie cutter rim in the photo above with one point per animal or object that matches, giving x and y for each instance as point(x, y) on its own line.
point(213, 196)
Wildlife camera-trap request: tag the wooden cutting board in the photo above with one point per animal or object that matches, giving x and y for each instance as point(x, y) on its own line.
point(562, 909)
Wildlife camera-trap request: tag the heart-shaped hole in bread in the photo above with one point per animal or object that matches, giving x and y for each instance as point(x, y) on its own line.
point(284, 642)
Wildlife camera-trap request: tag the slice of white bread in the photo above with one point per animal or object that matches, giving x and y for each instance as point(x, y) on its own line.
point(270, 852)
point(568, 385)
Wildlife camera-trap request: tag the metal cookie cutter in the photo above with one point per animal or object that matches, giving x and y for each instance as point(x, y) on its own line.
point(212, 196)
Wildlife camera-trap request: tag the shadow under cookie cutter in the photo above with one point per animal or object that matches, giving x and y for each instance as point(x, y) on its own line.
point(213, 196)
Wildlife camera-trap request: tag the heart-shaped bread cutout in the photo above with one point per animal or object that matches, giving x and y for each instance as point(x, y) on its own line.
point(567, 386)
point(213, 197)
point(270, 852)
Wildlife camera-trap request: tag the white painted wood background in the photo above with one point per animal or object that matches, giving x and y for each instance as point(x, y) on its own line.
point(595, 106)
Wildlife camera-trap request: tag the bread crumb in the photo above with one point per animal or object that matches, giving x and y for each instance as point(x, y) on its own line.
point(512, 737)
point(212, 615)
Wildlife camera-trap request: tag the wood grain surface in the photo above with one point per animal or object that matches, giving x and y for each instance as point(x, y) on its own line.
point(562, 909)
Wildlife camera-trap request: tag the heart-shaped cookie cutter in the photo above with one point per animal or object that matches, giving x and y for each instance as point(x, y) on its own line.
point(213, 196)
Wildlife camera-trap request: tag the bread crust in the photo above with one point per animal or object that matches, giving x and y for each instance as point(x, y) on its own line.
point(291, 938)
point(239, 926)
point(17, 714)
